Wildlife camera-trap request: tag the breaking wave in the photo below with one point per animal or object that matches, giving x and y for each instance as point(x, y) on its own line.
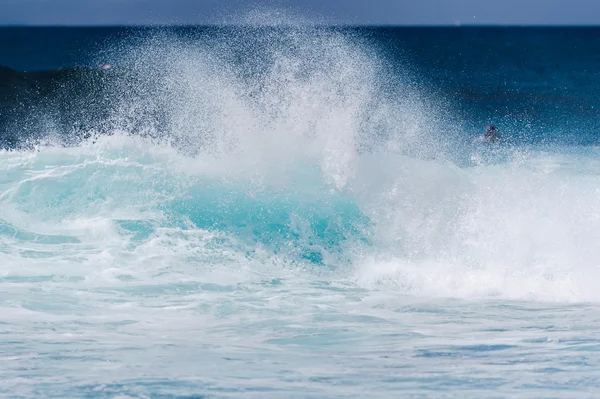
point(271, 153)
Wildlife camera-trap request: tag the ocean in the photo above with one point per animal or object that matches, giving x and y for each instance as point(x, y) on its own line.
point(296, 211)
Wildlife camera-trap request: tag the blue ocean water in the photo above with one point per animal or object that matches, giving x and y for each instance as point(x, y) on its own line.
point(299, 212)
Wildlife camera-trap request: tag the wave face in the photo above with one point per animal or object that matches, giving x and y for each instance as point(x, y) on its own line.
point(282, 194)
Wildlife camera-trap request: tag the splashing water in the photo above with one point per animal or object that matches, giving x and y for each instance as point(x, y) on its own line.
point(253, 209)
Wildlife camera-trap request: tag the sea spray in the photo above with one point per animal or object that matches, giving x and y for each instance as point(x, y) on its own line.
point(295, 212)
point(300, 145)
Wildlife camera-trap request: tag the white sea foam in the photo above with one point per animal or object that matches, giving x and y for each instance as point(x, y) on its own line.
point(281, 228)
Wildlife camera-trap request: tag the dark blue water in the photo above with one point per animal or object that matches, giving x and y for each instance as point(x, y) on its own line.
point(299, 212)
point(537, 84)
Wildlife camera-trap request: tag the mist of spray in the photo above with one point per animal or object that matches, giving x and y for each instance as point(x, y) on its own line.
point(301, 145)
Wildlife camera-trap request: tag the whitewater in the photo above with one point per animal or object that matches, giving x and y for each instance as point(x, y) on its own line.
point(287, 214)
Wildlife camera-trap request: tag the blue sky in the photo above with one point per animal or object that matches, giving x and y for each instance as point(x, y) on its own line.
point(394, 12)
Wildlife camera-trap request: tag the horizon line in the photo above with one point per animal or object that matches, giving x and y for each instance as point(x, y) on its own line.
point(316, 25)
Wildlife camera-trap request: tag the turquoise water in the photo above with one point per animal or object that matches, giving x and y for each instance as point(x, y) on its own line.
point(315, 225)
point(128, 272)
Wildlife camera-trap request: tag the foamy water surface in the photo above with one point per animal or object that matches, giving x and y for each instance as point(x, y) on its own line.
point(294, 226)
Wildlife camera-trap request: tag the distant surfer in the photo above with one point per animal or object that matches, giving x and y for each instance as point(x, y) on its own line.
point(491, 134)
